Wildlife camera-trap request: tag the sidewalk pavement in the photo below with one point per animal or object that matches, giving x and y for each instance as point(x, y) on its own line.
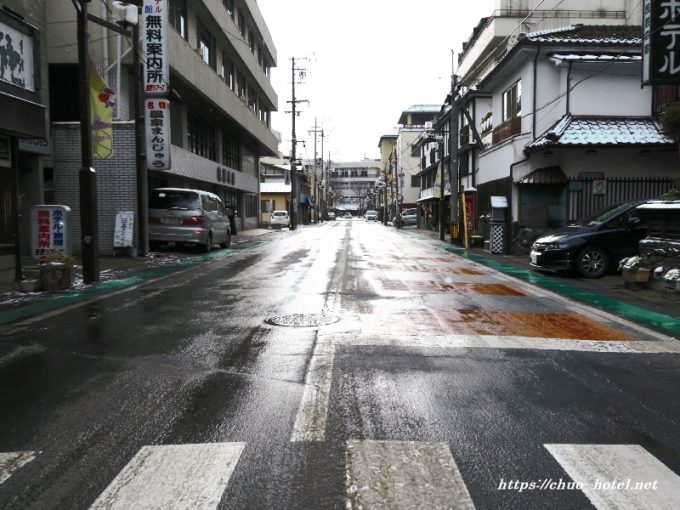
point(17, 301)
point(645, 306)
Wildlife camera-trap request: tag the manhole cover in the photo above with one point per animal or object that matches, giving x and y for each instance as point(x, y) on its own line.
point(302, 320)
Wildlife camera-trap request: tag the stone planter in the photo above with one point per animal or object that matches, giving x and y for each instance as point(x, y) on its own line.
point(55, 276)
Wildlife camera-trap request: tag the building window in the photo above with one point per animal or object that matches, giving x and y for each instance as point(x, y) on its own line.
point(241, 24)
point(201, 138)
point(268, 206)
point(242, 86)
point(228, 71)
point(206, 47)
point(512, 102)
point(229, 5)
point(252, 99)
point(177, 16)
point(251, 41)
point(415, 181)
point(230, 153)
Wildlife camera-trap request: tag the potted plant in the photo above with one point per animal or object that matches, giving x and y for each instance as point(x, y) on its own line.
point(672, 279)
point(635, 271)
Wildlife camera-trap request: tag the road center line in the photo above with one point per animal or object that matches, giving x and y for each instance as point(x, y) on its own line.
point(619, 476)
point(173, 477)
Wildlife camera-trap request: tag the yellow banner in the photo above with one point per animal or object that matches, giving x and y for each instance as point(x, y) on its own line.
point(101, 115)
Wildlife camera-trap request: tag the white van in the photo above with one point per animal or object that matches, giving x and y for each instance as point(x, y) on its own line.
point(188, 216)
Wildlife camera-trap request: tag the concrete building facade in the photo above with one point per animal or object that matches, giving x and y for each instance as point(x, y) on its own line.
point(221, 97)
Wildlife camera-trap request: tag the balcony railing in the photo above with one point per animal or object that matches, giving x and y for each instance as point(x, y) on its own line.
point(510, 127)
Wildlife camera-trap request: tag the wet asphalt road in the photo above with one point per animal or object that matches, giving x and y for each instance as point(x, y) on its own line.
point(440, 382)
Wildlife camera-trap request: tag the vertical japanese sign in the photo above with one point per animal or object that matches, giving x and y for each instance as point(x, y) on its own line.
point(157, 127)
point(660, 42)
point(50, 230)
point(155, 58)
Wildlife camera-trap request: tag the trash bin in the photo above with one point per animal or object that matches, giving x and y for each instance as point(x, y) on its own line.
point(498, 225)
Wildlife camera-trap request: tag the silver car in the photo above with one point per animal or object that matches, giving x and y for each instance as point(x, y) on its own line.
point(409, 216)
point(371, 215)
point(188, 216)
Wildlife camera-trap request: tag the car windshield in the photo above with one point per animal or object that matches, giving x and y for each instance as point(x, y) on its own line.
point(279, 214)
point(180, 200)
point(604, 216)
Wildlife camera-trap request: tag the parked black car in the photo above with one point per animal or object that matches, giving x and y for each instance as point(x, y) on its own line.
point(595, 244)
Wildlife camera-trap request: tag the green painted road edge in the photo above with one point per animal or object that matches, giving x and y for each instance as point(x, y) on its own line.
point(650, 318)
point(49, 303)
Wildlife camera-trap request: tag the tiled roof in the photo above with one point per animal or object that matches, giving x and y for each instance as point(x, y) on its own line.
point(574, 35)
point(424, 108)
point(585, 131)
point(599, 57)
point(590, 34)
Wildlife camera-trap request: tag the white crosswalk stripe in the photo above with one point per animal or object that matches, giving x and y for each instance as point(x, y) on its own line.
point(173, 477)
point(12, 461)
point(403, 474)
point(619, 476)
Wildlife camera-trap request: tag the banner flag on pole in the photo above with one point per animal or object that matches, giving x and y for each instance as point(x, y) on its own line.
point(101, 114)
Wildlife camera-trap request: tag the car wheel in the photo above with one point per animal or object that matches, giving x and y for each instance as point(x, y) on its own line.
point(227, 241)
point(207, 247)
point(592, 262)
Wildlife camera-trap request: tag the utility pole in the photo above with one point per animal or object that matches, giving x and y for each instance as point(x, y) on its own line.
point(87, 176)
point(453, 150)
point(442, 199)
point(293, 170)
point(324, 181)
point(316, 130)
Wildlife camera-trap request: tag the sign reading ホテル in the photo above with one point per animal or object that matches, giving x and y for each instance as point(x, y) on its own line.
point(661, 42)
point(154, 32)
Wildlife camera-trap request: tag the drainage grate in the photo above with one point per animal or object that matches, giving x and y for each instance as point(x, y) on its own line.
point(302, 320)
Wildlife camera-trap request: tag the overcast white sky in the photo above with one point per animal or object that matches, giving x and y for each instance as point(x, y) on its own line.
point(368, 61)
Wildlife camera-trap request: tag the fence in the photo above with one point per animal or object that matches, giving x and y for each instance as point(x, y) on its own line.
point(587, 196)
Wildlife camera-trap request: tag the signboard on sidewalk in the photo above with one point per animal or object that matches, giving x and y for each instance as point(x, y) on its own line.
point(50, 230)
point(122, 233)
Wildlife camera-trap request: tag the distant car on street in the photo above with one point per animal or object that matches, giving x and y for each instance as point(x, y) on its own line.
point(371, 216)
point(279, 219)
point(331, 216)
point(409, 216)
